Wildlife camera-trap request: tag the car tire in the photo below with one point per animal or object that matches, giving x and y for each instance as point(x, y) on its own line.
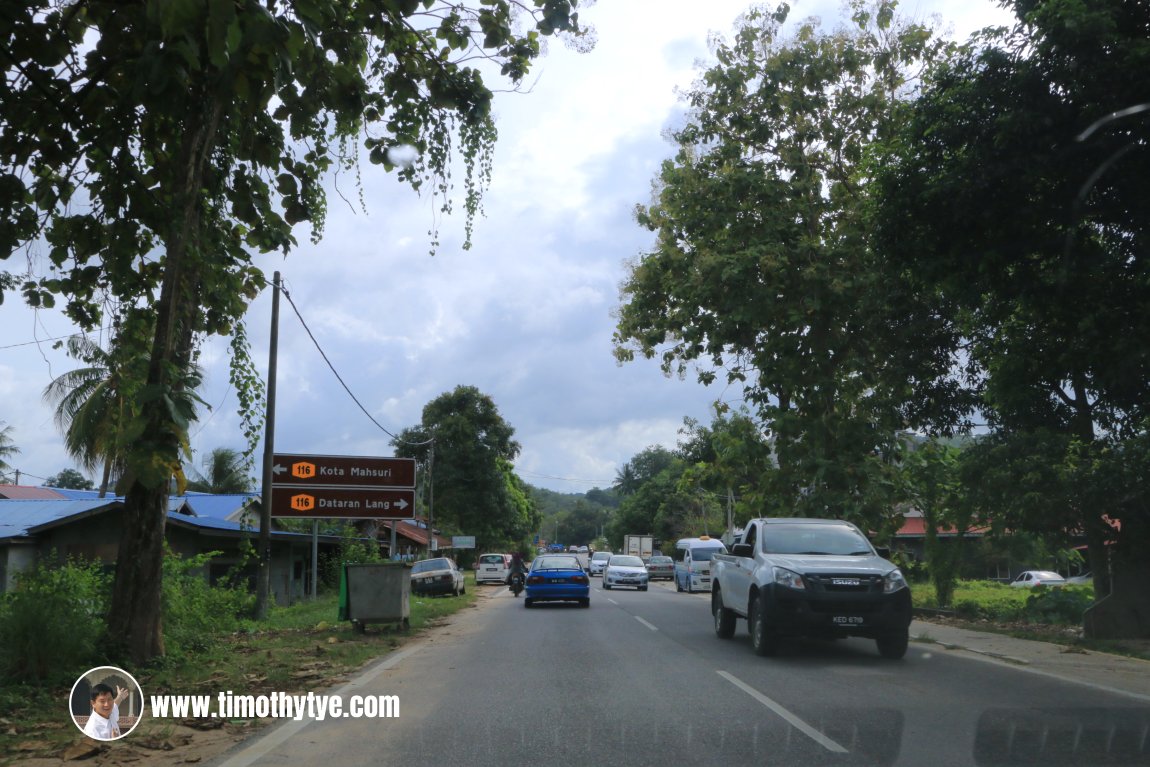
point(724, 618)
point(893, 646)
point(689, 589)
point(763, 641)
point(527, 602)
point(642, 588)
point(585, 602)
point(678, 586)
point(606, 586)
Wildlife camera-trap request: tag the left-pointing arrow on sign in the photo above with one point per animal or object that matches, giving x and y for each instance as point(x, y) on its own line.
point(277, 469)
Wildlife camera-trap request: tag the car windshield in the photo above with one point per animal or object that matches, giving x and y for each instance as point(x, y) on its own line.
point(703, 555)
point(556, 563)
point(430, 564)
point(600, 556)
point(835, 540)
point(1046, 575)
point(491, 559)
point(626, 561)
point(660, 560)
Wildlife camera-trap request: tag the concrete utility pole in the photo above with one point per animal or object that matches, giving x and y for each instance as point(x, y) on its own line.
point(264, 578)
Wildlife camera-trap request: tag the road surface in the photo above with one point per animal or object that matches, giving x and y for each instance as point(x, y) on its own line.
point(641, 679)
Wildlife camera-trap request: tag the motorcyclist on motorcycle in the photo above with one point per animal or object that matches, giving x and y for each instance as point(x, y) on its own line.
point(517, 576)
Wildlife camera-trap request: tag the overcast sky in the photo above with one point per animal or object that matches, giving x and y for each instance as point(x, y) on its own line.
point(525, 315)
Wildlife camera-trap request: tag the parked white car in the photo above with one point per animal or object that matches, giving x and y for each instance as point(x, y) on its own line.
point(1028, 579)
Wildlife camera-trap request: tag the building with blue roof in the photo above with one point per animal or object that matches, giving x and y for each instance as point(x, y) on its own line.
point(89, 528)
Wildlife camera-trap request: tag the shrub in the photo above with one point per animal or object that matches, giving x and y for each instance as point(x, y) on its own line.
point(195, 612)
point(53, 623)
point(352, 550)
point(1061, 605)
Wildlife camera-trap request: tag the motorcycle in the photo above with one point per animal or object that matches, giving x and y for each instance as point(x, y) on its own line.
point(515, 581)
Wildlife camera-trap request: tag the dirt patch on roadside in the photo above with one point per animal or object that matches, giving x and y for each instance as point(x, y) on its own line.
point(169, 742)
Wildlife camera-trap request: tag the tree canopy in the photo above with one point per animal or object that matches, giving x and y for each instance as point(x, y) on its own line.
point(1014, 192)
point(150, 148)
point(71, 479)
point(465, 450)
point(762, 268)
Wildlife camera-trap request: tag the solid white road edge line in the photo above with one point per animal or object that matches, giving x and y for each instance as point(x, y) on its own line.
point(791, 719)
point(263, 746)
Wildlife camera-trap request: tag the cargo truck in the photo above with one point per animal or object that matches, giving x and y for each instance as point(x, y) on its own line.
point(642, 546)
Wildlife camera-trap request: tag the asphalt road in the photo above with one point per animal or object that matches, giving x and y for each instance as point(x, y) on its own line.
point(641, 679)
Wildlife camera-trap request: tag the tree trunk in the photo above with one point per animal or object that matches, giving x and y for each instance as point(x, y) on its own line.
point(1125, 612)
point(134, 621)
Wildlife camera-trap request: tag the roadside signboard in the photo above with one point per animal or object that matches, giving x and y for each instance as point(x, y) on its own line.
point(463, 541)
point(351, 503)
point(342, 486)
point(290, 469)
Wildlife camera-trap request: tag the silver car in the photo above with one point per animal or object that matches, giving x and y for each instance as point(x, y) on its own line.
point(437, 576)
point(598, 562)
point(1028, 579)
point(625, 570)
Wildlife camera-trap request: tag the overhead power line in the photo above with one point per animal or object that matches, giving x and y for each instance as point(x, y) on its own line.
point(339, 378)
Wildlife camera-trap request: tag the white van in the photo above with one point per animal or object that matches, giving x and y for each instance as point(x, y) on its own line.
point(493, 568)
point(693, 562)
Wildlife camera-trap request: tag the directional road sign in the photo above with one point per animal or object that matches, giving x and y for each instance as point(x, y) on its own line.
point(365, 503)
point(290, 469)
point(345, 486)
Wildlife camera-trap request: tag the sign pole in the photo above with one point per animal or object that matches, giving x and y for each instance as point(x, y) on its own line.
point(264, 578)
point(314, 556)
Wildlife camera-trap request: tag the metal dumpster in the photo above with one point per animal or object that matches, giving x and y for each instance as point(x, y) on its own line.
point(378, 593)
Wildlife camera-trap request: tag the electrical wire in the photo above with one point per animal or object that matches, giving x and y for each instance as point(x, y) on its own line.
point(339, 378)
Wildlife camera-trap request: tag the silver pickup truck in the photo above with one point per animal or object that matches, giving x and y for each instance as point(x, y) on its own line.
point(809, 577)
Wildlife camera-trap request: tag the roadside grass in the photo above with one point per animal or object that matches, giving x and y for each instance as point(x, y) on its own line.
point(1047, 615)
point(298, 649)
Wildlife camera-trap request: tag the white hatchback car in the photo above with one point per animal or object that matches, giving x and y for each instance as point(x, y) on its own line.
point(625, 570)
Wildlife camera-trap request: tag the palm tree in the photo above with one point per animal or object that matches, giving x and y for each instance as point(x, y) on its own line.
point(626, 481)
point(7, 448)
point(95, 405)
point(227, 473)
point(90, 408)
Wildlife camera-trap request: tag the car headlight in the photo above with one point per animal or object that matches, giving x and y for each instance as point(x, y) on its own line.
point(893, 581)
point(788, 578)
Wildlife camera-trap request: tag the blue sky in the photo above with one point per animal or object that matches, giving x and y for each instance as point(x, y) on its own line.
point(525, 315)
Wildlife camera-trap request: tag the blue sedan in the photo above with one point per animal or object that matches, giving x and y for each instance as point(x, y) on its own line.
point(557, 577)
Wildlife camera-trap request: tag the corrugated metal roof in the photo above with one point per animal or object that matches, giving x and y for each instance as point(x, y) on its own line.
point(84, 495)
point(17, 517)
point(27, 493)
point(218, 506)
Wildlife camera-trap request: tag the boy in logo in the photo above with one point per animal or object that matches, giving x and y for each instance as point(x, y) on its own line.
point(104, 723)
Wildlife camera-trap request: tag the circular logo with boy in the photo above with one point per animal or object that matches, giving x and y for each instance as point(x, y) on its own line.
point(106, 703)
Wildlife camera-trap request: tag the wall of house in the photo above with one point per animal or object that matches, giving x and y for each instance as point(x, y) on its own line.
point(14, 559)
point(93, 539)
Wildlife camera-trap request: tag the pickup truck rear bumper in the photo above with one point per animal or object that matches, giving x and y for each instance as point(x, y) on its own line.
point(804, 612)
